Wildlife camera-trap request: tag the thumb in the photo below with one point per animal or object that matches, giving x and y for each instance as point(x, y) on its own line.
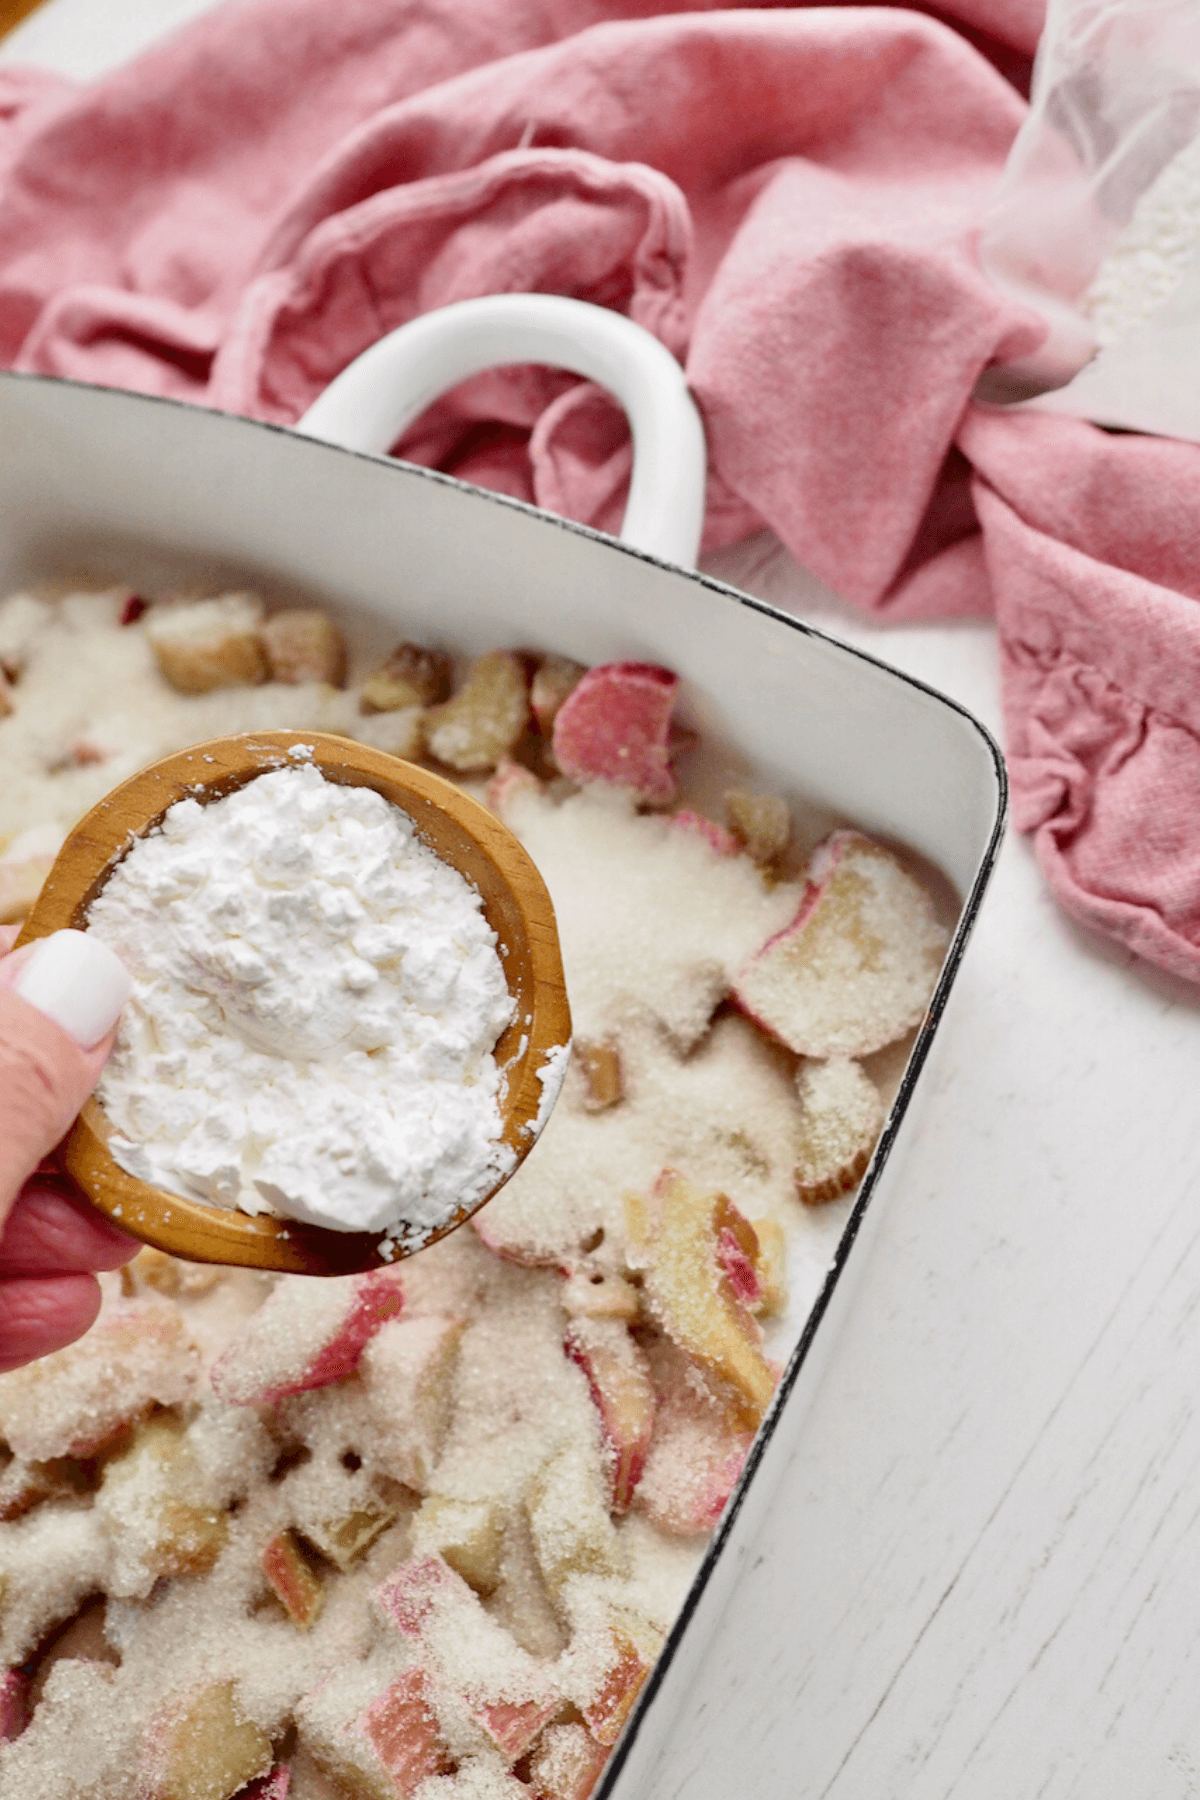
point(59, 1001)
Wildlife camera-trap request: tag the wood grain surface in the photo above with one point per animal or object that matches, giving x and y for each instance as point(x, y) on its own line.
point(13, 11)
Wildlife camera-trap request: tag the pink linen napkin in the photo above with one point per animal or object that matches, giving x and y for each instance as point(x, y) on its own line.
point(787, 196)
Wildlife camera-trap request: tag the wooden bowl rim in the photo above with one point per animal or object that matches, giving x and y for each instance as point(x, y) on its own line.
point(542, 1023)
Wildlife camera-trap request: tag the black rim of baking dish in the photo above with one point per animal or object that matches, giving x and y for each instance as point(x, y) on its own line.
point(968, 916)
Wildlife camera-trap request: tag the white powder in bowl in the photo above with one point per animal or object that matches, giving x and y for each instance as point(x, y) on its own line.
point(316, 1000)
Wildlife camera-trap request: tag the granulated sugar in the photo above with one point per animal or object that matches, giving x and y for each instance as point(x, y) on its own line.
point(316, 999)
point(421, 1533)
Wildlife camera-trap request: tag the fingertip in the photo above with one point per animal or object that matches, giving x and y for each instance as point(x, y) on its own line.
point(53, 1230)
point(40, 1314)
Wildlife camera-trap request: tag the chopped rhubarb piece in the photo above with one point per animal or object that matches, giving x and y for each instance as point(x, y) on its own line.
point(771, 1266)
point(409, 1375)
point(402, 1729)
point(292, 1580)
point(308, 1332)
point(207, 644)
point(204, 1748)
point(855, 968)
point(567, 1764)
point(615, 726)
point(411, 676)
point(842, 1117)
point(467, 1534)
point(738, 1255)
point(511, 780)
point(710, 833)
point(568, 1517)
point(132, 609)
point(514, 1725)
point(760, 823)
point(620, 1386)
point(342, 1541)
point(600, 1065)
point(24, 1485)
point(554, 678)
point(673, 1238)
point(696, 1453)
point(409, 1595)
point(72, 1402)
point(485, 719)
point(154, 1500)
point(14, 1704)
point(304, 645)
point(611, 1702)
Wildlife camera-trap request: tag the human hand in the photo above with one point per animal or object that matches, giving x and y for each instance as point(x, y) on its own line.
point(59, 1003)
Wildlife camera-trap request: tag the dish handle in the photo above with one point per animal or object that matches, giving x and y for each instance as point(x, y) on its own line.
point(372, 402)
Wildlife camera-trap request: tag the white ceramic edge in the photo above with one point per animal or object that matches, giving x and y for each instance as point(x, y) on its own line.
point(693, 1635)
point(374, 400)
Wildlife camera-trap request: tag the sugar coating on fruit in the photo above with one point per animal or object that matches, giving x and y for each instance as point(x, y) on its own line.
point(652, 921)
point(728, 1116)
point(855, 968)
point(841, 1117)
point(422, 1532)
point(71, 1403)
point(316, 1000)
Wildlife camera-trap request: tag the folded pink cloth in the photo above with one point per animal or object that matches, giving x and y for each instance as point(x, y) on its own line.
point(787, 196)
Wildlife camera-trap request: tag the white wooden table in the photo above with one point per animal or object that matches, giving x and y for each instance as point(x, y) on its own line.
point(981, 1575)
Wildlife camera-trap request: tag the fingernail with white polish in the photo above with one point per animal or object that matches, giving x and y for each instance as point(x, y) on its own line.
point(78, 982)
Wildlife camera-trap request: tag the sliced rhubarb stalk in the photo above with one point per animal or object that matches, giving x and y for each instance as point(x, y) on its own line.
point(760, 823)
point(408, 1371)
point(567, 1764)
point(615, 726)
point(14, 1704)
point(620, 1386)
point(71, 1403)
point(304, 645)
point(842, 1117)
point(674, 1235)
point(855, 968)
point(485, 719)
point(513, 1726)
point(293, 1581)
point(554, 679)
point(306, 1335)
point(402, 1729)
point(408, 1597)
point(411, 676)
point(600, 1065)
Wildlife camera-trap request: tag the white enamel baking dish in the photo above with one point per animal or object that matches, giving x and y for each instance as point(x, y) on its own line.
point(101, 486)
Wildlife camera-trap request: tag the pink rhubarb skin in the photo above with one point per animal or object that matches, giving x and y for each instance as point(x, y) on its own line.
point(911, 940)
point(623, 1395)
point(615, 727)
point(715, 836)
point(403, 1732)
point(14, 1704)
point(378, 1296)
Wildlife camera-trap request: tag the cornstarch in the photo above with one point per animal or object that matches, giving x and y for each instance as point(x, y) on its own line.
point(316, 1000)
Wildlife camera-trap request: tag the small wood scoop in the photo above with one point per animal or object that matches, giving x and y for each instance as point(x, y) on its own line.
point(459, 830)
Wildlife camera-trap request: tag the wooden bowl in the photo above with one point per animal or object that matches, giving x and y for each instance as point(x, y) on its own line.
point(459, 830)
